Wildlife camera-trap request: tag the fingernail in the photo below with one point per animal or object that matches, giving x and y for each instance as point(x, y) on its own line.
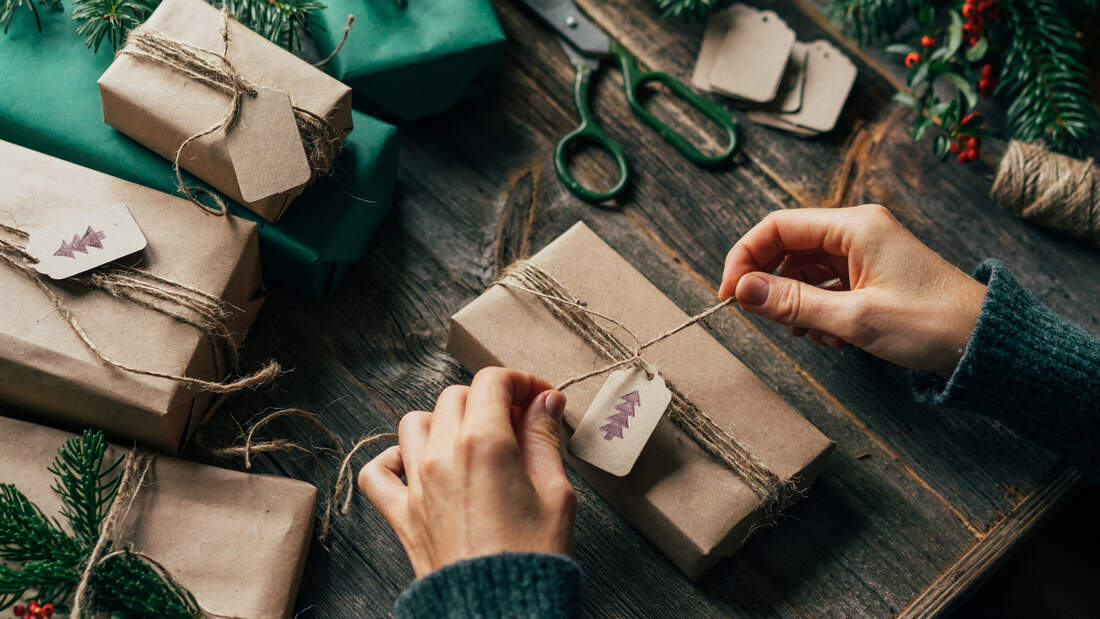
point(555, 404)
point(754, 291)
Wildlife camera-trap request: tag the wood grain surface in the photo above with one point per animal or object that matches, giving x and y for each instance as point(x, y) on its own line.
point(917, 502)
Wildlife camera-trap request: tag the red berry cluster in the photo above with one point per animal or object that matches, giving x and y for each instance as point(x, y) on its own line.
point(34, 611)
point(987, 82)
point(967, 147)
point(977, 13)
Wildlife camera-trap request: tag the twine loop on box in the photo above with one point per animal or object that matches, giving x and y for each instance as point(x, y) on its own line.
point(178, 301)
point(322, 143)
point(1050, 189)
point(775, 494)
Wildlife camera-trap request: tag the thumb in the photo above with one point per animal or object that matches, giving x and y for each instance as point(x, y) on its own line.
point(538, 439)
point(798, 304)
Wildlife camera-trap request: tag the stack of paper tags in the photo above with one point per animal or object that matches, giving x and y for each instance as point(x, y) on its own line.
point(753, 56)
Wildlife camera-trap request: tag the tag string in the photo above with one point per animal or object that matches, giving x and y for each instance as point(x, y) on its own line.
point(634, 359)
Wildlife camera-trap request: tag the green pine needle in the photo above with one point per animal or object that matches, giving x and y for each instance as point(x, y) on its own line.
point(279, 21)
point(690, 9)
point(86, 488)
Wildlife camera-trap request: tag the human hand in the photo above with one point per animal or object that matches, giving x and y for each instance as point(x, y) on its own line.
point(484, 474)
point(855, 275)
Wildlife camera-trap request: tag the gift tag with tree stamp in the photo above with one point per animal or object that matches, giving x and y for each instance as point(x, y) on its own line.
point(265, 147)
point(620, 420)
point(829, 78)
point(82, 242)
point(754, 53)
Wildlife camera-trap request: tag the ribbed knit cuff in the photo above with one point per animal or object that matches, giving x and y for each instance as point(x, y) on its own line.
point(504, 585)
point(1026, 366)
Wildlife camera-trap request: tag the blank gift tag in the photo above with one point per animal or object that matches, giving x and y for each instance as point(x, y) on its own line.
point(789, 98)
point(620, 420)
point(265, 147)
point(829, 78)
point(717, 24)
point(82, 242)
point(754, 52)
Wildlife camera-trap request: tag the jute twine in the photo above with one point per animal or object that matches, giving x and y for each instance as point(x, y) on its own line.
point(774, 493)
point(178, 301)
point(322, 143)
point(1050, 189)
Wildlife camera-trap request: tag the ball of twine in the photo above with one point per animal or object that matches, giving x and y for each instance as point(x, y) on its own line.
point(1051, 190)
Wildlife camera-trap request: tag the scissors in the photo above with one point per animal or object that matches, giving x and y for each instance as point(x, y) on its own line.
point(586, 44)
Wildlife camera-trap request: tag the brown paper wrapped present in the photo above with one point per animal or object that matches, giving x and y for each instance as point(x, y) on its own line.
point(162, 106)
point(690, 504)
point(237, 541)
point(48, 372)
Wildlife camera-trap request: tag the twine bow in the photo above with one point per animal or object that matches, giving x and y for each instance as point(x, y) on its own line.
point(774, 493)
point(321, 142)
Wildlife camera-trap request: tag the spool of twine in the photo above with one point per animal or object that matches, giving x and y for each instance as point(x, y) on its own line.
point(1050, 189)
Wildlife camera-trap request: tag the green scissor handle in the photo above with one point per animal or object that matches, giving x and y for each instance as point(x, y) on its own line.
point(633, 80)
point(588, 131)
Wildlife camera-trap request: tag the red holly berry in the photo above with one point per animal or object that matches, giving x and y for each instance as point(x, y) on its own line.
point(962, 157)
point(987, 71)
point(33, 607)
point(47, 610)
point(927, 41)
point(971, 154)
point(972, 40)
point(911, 59)
point(968, 11)
point(955, 147)
point(19, 610)
point(972, 143)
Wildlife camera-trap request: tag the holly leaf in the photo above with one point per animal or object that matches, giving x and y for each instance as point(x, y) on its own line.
point(941, 146)
point(965, 87)
point(906, 100)
point(900, 49)
point(978, 50)
point(917, 75)
point(921, 127)
point(954, 34)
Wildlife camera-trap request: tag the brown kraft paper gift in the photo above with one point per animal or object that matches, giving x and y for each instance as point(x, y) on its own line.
point(46, 371)
point(694, 508)
point(160, 107)
point(237, 541)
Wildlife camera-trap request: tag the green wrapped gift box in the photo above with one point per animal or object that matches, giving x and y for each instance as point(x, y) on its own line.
point(412, 58)
point(49, 102)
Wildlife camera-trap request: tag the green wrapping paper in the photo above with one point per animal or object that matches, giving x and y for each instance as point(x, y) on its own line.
point(414, 59)
point(49, 102)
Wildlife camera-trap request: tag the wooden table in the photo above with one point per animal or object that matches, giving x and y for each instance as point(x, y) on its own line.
point(917, 503)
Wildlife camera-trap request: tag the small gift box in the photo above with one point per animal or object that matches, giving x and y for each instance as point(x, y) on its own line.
point(236, 110)
point(235, 542)
point(414, 59)
point(179, 307)
point(730, 451)
point(307, 251)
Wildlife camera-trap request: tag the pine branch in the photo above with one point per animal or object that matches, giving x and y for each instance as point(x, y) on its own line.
point(279, 21)
point(109, 19)
point(27, 535)
point(9, 7)
point(1044, 77)
point(127, 584)
point(85, 487)
point(51, 581)
point(869, 20)
point(690, 9)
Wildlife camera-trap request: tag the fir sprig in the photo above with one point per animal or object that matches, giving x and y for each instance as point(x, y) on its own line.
point(109, 19)
point(1044, 77)
point(690, 9)
point(279, 21)
point(52, 561)
point(9, 7)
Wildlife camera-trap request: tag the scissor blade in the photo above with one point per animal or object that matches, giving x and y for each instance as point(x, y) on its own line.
point(572, 25)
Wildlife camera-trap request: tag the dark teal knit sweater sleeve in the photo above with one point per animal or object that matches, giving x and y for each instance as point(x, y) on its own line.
point(1028, 367)
point(522, 585)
